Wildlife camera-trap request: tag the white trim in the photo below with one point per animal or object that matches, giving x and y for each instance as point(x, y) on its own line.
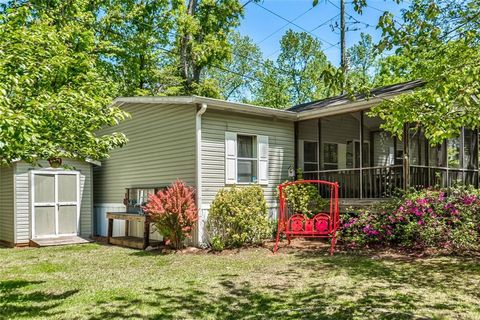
point(105, 205)
point(15, 216)
point(56, 204)
point(263, 161)
point(229, 157)
point(216, 104)
point(198, 162)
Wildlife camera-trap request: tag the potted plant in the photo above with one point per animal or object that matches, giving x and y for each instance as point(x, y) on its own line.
point(55, 162)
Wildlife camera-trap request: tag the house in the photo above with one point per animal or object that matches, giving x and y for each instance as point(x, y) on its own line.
point(42, 205)
point(211, 144)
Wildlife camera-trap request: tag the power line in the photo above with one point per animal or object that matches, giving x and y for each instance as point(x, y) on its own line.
point(316, 28)
point(288, 23)
point(367, 25)
point(246, 3)
point(324, 23)
point(292, 23)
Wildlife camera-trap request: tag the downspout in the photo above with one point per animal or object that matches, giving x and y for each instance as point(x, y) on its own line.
point(198, 129)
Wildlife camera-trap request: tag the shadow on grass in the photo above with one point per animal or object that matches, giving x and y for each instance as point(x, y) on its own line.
point(376, 288)
point(379, 289)
point(435, 273)
point(242, 301)
point(17, 302)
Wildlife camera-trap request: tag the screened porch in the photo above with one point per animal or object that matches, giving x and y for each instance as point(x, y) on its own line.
point(329, 149)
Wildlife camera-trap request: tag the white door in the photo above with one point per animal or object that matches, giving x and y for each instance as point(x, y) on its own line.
point(55, 204)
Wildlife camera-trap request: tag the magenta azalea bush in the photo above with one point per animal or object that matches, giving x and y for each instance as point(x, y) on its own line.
point(420, 220)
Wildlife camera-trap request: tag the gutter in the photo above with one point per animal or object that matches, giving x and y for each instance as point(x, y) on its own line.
point(198, 130)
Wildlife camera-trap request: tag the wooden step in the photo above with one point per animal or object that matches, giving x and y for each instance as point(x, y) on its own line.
point(58, 241)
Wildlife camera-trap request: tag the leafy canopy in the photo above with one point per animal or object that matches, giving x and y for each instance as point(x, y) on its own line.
point(438, 41)
point(53, 98)
point(295, 77)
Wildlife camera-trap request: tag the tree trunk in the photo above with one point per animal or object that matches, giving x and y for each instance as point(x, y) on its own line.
point(186, 59)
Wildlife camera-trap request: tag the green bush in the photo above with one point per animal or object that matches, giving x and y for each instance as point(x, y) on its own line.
point(238, 216)
point(217, 243)
point(305, 199)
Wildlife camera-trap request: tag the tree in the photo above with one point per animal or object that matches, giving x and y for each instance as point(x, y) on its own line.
point(137, 37)
point(297, 72)
point(202, 28)
point(301, 62)
point(272, 89)
point(235, 75)
point(362, 61)
point(438, 42)
point(53, 98)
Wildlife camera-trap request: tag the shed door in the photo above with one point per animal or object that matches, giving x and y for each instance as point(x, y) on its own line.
point(55, 204)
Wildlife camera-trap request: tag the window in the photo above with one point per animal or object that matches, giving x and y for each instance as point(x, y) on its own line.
point(330, 156)
point(310, 162)
point(353, 154)
point(246, 159)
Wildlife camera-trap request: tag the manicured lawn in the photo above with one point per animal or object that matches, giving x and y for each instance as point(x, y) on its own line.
point(100, 282)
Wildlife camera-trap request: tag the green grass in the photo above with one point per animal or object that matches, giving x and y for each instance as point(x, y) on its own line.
point(100, 282)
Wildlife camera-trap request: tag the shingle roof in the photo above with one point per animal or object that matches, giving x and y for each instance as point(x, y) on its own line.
point(394, 89)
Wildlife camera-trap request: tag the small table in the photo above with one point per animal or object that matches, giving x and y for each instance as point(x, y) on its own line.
point(127, 240)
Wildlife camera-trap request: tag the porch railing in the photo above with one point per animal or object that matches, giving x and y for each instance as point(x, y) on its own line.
point(423, 177)
point(381, 182)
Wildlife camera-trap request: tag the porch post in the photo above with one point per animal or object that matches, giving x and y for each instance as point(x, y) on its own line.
point(462, 148)
point(361, 154)
point(462, 155)
point(319, 147)
point(427, 161)
point(295, 148)
point(406, 156)
point(475, 156)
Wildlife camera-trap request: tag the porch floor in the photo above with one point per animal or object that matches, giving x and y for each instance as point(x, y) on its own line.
point(58, 241)
point(357, 203)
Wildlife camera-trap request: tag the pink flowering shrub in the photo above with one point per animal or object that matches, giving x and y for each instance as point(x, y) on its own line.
point(419, 219)
point(173, 212)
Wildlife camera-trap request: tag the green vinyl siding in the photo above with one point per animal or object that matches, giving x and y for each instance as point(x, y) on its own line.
point(7, 207)
point(281, 149)
point(161, 148)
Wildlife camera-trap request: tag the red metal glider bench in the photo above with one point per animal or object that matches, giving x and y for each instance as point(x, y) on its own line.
point(322, 225)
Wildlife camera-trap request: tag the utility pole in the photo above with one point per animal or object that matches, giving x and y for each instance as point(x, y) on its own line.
point(343, 44)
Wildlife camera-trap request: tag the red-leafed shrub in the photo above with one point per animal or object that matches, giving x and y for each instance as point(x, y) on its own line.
point(173, 212)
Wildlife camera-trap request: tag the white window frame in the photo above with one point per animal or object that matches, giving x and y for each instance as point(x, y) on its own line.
point(262, 161)
point(54, 204)
point(255, 149)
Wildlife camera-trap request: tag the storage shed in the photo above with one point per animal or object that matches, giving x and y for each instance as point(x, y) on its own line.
point(40, 205)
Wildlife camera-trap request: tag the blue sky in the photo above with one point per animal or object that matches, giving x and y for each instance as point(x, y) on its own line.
point(258, 23)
